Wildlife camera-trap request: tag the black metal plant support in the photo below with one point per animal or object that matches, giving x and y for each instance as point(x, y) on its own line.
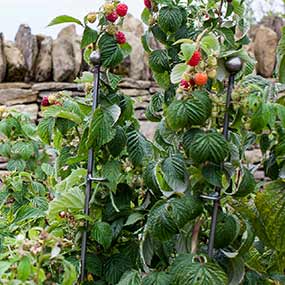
point(233, 66)
point(95, 60)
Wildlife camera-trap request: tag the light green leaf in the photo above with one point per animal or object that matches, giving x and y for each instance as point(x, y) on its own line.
point(72, 200)
point(210, 44)
point(70, 275)
point(24, 268)
point(188, 50)
point(177, 72)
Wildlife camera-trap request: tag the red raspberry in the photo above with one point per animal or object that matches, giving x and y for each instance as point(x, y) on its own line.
point(195, 59)
point(112, 17)
point(201, 78)
point(184, 84)
point(122, 10)
point(148, 4)
point(121, 38)
point(45, 101)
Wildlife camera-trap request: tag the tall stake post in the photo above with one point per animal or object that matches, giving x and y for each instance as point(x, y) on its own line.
point(233, 66)
point(95, 60)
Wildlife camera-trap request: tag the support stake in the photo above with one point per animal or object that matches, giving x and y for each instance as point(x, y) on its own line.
point(95, 60)
point(233, 65)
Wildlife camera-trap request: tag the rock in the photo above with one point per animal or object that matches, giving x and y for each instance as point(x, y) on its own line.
point(148, 129)
point(3, 62)
point(16, 67)
point(27, 44)
point(265, 44)
point(17, 96)
point(133, 29)
point(136, 84)
point(43, 66)
point(69, 34)
point(273, 22)
point(135, 92)
point(17, 85)
point(30, 109)
point(253, 156)
point(58, 86)
point(62, 60)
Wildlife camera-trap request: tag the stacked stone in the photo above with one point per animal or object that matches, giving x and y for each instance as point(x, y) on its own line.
point(38, 58)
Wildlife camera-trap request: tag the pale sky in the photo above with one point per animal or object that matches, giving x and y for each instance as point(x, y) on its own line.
point(38, 13)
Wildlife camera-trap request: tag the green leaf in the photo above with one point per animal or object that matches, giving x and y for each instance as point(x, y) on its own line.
point(70, 274)
point(188, 50)
point(227, 230)
point(130, 278)
point(157, 278)
point(86, 77)
point(159, 34)
point(4, 266)
point(24, 268)
point(115, 266)
point(102, 233)
point(118, 143)
point(145, 16)
point(111, 53)
point(149, 176)
point(113, 79)
point(210, 44)
point(134, 218)
point(247, 184)
point(166, 218)
point(177, 72)
point(162, 79)
point(190, 270)
point(64, 19)
point(209, 147)
point(101, 130)
point(138, 147)
point(270, 204)
point(186, 113)
point(112, 171)
point(238, 7)
point(89, 36)
point(261, 117)
point(155, 107)
point(71, 200)
point(23, 149)
point(170, 19)
point(175, 173)
point(16, 165)
point(158, 61)
point(45, 129)
point(126, 49)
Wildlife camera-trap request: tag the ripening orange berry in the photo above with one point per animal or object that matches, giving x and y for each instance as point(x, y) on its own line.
point(201, 78)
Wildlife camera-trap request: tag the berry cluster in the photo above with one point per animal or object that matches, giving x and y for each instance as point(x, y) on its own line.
point(198, 71)
point(50, 100)
point(113, 11)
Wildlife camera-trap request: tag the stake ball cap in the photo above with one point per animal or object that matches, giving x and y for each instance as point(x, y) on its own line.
point(95, 57)
point(234, 65)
